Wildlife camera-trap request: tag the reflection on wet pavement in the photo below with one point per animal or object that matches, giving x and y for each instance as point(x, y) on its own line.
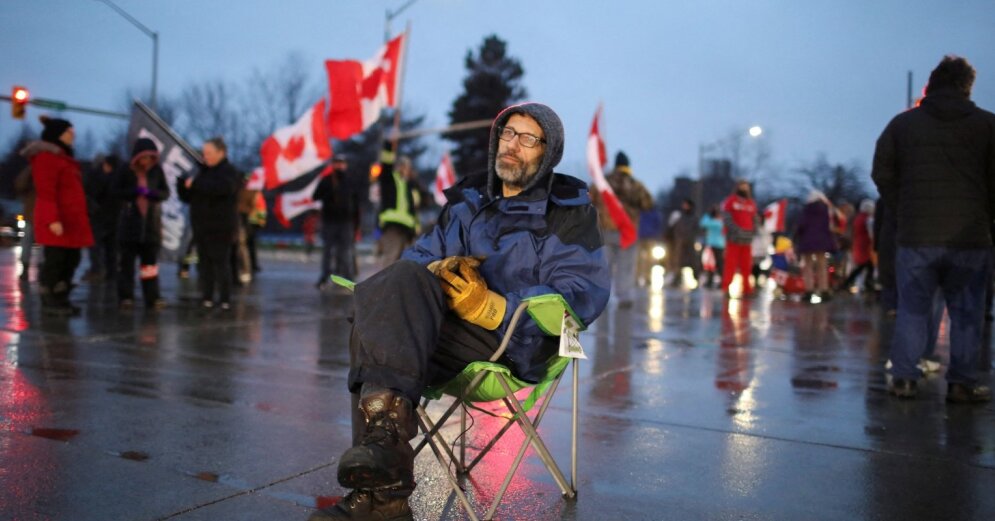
point(693, 407)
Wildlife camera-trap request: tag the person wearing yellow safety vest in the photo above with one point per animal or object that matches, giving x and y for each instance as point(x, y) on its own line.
point(257, 220)
point(400, 198)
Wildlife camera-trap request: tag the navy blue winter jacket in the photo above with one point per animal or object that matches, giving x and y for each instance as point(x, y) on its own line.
point(544, 240)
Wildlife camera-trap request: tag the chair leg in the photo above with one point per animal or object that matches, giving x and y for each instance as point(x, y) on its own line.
point(534, 438)
point(434, 438)
point(424, 420)
point(462, 439)
point(573, 427)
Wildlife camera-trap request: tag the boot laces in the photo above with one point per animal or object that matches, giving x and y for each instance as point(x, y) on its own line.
point(380, 429)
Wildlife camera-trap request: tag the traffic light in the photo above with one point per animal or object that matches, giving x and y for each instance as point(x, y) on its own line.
point(19, 97)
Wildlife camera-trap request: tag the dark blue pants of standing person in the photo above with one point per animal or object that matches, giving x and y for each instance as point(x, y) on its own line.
point(337, 244)
point(405, 338)
point(960, 274)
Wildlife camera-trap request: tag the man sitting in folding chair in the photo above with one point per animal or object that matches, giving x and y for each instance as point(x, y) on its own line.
point(516, 232)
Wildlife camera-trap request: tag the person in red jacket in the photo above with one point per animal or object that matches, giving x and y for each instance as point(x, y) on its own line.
point(739, 215)
point(61, 222)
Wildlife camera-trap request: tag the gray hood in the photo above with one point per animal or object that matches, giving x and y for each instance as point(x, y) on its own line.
point(551, 126)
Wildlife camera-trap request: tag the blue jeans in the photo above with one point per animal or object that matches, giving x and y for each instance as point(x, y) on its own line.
point(960, 275)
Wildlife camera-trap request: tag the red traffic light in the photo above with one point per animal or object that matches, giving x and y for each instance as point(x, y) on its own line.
point(20, 95)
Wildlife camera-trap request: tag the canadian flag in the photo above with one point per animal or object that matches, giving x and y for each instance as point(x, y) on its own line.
point(360, 90)
point(255, 181)
point(291, 204)
point(774, 214)
point(596, 159)
point(296, 150)
point(445, 177)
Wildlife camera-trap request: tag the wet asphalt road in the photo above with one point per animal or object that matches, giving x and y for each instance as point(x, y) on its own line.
point(693, 407)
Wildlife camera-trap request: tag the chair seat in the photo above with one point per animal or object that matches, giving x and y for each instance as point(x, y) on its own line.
point(490, 389)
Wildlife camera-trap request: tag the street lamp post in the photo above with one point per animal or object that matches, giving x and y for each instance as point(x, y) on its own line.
point(155, 45)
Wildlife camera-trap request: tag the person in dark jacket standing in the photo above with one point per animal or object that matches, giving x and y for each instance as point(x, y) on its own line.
point(813, 241)
point(339, 194)
point(61, 223)
point(213, 196)
point(104, 209)
point(516, 231)
point(141, 187)
point(935, 166)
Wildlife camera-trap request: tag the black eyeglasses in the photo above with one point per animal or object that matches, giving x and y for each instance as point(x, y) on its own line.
point(526, 140)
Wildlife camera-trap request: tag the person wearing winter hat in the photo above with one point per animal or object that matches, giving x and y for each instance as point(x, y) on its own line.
point(515, 231)
point(61, 222)
point(635, 199)
point(141, 188)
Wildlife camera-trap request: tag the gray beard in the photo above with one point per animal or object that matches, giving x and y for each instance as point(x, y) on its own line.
point(516, 177)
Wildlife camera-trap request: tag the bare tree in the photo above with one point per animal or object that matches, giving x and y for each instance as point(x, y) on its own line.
point(839, 182)
point(277, 97)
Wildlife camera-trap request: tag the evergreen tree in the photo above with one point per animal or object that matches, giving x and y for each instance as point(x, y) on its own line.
point(492, 83)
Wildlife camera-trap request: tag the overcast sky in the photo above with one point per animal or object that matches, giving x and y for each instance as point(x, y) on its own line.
point(817, 76)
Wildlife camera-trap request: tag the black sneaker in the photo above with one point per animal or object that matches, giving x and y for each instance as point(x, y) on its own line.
point(903, 388)
point(381, 504)
point(965, 393)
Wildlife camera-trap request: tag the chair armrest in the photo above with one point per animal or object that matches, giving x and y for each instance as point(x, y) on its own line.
point(547, 312)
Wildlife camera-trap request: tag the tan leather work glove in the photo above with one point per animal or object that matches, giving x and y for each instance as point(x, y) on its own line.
point(467, 293)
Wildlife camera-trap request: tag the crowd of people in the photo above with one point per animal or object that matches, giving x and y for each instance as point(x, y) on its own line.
point(114, 211)
point(520, 230)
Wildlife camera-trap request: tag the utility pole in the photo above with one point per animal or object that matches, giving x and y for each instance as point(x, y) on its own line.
point(155, 45)
point(908, 92)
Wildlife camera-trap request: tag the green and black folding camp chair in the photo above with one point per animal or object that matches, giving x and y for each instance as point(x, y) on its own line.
point(482, 382)
point(490, 381)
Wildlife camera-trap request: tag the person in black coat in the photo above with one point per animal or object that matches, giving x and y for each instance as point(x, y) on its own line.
point(140, 187)
point(213, 198)
point(341, 197)
point(104, 207)
point(934, 165)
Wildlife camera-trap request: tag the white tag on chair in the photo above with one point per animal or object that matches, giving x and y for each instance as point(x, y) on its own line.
point(570, 338)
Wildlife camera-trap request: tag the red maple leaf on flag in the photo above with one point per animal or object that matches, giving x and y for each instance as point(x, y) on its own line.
point(294, 148)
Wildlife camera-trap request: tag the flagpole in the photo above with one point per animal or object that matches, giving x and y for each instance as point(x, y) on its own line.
point(396, 134)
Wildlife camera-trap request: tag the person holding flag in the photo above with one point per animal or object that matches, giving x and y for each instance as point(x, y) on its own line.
point(634, 198)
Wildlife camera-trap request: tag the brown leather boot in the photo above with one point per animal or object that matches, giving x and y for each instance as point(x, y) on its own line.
point(368, 505)
point(383, 457)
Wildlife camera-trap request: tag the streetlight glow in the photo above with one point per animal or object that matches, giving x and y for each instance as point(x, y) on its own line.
point(755, 131)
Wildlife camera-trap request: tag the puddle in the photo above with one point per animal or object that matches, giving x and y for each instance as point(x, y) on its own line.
point(54, 434)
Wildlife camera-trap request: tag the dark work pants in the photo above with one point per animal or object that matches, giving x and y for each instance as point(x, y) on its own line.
point(868, 278)
point(337, 245)
point(147, 255)
point(214, 268)
point(56, 274)
point(405, 338)
point(960, 274)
